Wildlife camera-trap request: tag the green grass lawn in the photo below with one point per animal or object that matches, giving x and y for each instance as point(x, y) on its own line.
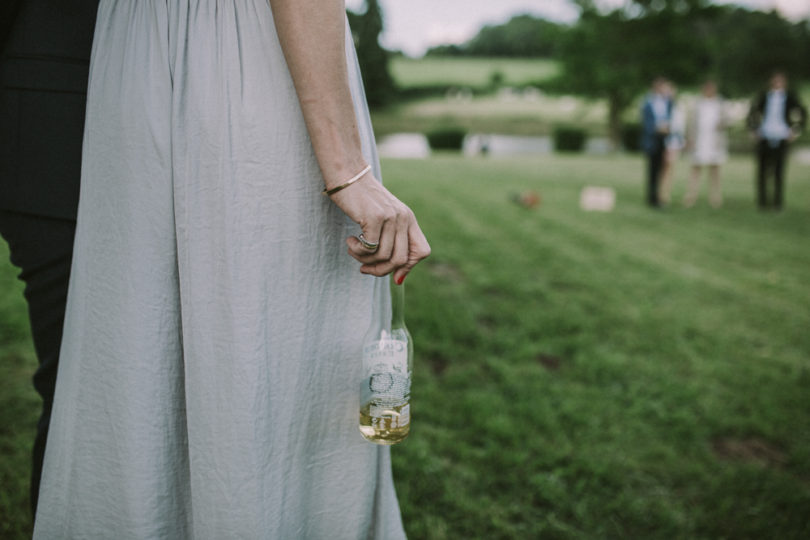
point(634, 374)
point(476, 73)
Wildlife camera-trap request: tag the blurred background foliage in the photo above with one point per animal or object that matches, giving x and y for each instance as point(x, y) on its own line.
point(608, 55)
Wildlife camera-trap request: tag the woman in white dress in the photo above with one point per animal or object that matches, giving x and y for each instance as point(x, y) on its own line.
point(211, 352)
point(706, 139)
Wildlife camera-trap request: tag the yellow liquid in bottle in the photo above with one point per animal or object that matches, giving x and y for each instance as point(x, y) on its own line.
point(385, 425)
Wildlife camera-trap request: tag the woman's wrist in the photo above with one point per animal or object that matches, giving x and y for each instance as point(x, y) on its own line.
point(331, 191)
point(338, 170)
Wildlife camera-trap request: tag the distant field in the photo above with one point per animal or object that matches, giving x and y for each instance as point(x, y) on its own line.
point(499, 111)
point(469, 72)
point(530, 113)
point(510, 113)
point(504, 112)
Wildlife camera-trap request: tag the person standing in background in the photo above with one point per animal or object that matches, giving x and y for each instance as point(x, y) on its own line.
point(45, 58)
point(776, 118)
point(655, 126)
point(673, 144)
point(707, 143)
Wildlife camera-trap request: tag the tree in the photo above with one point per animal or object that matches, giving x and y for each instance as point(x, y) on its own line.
point(521, 36)
point(615, 55)
point(743, 64)
point(372, 57)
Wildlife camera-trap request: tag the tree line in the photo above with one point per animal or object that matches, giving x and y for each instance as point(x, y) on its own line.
point(688, 38)
point(523, 36)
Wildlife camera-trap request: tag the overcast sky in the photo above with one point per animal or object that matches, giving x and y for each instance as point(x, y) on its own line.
point(415, 25)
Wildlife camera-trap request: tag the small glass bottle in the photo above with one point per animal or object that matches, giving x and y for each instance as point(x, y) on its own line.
point(385, 389)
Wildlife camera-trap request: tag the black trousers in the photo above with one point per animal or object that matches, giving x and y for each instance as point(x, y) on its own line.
point(655, 160)
point(770, 158)
point(42, 249)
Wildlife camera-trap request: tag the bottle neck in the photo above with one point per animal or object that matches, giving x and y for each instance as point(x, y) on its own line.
point(397, 304)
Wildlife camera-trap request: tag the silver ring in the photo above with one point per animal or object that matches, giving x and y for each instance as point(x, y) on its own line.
point(371, 246)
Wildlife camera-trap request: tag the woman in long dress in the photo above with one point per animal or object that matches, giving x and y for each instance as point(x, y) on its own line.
point(708, 145)
point(208, 383)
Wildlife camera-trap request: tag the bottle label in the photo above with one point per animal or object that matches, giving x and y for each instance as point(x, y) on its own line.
point(386, 380)
point(389, 417)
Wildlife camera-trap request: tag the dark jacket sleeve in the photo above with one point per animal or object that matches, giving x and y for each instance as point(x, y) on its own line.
point(43, 86)
point(795, 112)
point(8, 14)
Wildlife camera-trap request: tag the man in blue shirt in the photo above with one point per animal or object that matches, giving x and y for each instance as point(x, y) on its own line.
point(777, 118)
point(656, 116)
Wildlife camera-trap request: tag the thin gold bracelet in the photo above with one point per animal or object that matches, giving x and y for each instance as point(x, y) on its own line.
point(350, 181)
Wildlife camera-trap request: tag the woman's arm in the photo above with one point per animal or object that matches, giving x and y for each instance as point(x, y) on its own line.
point(312, 36)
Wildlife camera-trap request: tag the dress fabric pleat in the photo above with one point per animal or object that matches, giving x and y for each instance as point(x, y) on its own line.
point(208, 387)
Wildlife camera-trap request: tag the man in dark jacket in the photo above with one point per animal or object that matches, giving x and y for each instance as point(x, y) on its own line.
point(43, 86)
point(776, 118)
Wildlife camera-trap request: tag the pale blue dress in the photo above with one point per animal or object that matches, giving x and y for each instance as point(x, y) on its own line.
point(208, 386)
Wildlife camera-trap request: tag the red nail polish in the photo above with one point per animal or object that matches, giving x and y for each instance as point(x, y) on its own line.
point(400, 279)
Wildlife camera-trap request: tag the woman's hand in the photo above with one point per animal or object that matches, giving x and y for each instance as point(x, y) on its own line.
point(383, 219)
point(312, 34)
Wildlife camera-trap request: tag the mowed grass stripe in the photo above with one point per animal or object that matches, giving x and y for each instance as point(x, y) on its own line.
point(696, 260)
point(625, 250)
point(677, 244)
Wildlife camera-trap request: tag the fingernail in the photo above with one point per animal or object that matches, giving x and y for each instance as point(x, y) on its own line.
point(401, 278)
